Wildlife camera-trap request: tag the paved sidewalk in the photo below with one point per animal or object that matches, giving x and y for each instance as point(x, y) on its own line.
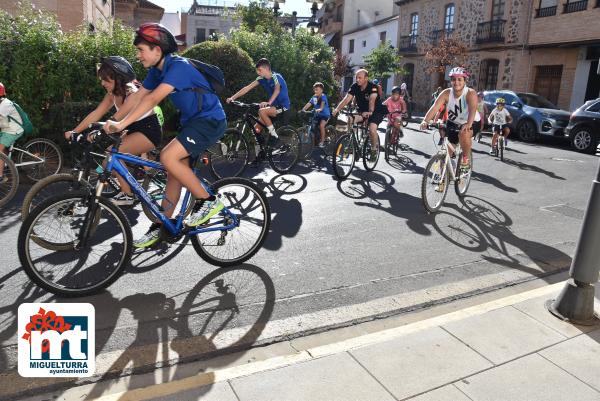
point(507, 349)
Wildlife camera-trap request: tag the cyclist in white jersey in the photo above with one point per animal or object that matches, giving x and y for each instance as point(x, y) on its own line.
point(499, 118)
point(463, 119)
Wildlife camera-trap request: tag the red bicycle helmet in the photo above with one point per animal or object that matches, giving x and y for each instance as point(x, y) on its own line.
point(159, 35)
point(2, 90)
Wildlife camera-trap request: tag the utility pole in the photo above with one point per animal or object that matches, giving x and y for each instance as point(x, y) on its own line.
point(575, 303)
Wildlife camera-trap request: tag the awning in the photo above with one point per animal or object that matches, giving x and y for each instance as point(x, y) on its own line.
point(327, 38)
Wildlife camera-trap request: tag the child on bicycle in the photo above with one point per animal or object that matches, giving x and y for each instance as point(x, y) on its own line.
point(321, 105)
point(499, 118)
point(118, 79)
point(202, 118)
point(395, 104)
point(11, 127)
point(278, 103)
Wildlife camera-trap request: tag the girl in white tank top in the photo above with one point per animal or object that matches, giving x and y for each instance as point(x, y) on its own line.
point(458, 109)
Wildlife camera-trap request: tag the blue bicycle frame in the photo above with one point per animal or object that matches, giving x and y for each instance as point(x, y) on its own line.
point(115, 164)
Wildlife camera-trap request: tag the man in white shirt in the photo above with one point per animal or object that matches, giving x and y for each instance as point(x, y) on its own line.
point(10, 126)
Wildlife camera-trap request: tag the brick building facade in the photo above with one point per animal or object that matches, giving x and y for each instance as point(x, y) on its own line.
point(136, 12)
point(526, 46)
point(95, 14)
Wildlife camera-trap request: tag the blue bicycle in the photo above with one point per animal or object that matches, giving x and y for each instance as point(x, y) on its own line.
point(78, 243)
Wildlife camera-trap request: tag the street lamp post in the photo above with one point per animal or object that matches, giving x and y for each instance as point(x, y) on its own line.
point(312, 22)
point(575, 302)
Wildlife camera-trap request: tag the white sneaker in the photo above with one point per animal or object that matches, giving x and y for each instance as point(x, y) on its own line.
point(122, 199)
point(206, 210)
point(151, 237)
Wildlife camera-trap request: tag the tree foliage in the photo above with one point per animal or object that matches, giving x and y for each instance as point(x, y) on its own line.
point(383, 61)
point(257, 16)
point(447, 52)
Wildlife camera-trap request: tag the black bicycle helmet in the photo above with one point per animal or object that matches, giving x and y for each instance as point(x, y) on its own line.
point(121, 66)
point(396, 89)
point(159, 35)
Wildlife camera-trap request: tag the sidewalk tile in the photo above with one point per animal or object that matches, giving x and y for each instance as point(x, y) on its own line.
point(336, 377)
point(446, 393)
point(504, 334)
point(579, 356)
point(531, 378)
point(217, 392)
point(536, 308)
point(418, 362)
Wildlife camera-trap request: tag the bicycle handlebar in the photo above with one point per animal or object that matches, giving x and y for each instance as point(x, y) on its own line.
point(245, 105)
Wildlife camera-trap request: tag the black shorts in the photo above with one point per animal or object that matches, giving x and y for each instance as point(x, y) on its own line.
point(150, 127)
point(499, 127)
point(453, 129)
point(376, 118)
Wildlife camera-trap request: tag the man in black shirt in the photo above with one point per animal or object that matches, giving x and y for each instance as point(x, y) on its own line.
point(370, 106)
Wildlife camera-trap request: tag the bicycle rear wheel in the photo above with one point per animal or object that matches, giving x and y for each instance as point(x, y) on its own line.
point(344, 156)
point(284, 156)
point(306, 145)
point(9, 182)
point(434, 185)
point(50, 155)
point(80, 269)
point(331, 137)
point(463, 180)
point(501, 147)
point(370, 153)
point(249, 204)
point(229, 156)
point(47, 187)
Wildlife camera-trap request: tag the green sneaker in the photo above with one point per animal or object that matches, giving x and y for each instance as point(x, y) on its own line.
point(204, 212)
point(151, 237)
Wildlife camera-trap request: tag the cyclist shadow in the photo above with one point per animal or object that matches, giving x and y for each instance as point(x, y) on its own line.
point(405, 164)
point(10, 214)
point(488, 179)
point(529, 167)
point(376, 190)
point(225, 312)
point(479, 226)
point(148, 259)
point(286, 210)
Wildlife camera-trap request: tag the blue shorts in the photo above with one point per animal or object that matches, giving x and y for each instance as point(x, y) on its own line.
point(198, 135)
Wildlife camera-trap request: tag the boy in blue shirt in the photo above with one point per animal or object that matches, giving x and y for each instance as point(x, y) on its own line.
point(202, 119)
point(321, 105)
point(279, 101)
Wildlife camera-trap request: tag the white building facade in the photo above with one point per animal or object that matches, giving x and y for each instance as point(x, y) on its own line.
point(204, 21)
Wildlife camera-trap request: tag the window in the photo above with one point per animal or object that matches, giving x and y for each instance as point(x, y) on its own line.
point(489, 74)
point(533, 100)
point(348, 82)
point(449, 18)
point(364, 43)
point(382, 36)
point(200, 35)
point(339, 14)
point(547, 81)
point(546, 8)
point(497, 9)
point(508, 98)
point(414, 24)
point(594, 107)
point(351, 46)
point(548, 3)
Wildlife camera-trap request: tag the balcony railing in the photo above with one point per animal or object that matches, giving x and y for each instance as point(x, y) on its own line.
point(440, 34)
point(408, 43)
point(490, 31)
point(575, 6)
point(546, 12)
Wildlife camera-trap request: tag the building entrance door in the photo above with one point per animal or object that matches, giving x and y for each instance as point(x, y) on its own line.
point(593, 86)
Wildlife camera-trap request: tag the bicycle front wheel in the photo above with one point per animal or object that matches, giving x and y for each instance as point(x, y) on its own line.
point(248, 203)
point(229, 156)
point(434, 185)
point(463, 180)
point(344, 157)
point(43, 158)
point(285, 154)
point(9, 181)
point(370, 153)
point(90, 264)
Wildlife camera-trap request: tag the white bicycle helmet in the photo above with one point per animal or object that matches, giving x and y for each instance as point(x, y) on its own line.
point(458, 72)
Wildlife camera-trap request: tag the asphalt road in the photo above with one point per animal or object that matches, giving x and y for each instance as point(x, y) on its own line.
point(337, 253)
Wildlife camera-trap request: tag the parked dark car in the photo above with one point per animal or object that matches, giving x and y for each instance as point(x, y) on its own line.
point(533, 115)
point(584, 127)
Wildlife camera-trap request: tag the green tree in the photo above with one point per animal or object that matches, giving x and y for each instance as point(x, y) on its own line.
point(257, 16)
point(383, 61)
point(302, 59)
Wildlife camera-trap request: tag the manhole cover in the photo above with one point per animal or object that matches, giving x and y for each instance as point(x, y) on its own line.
point(565, 210)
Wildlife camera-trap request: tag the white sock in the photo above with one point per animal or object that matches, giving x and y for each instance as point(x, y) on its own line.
point(272, 131)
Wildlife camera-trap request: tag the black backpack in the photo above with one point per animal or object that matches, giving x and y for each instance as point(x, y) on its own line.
point(212, 73)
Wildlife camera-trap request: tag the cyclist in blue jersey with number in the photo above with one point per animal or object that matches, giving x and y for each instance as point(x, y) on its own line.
point(321, 105)
point(279, 101)
point(202, 119)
